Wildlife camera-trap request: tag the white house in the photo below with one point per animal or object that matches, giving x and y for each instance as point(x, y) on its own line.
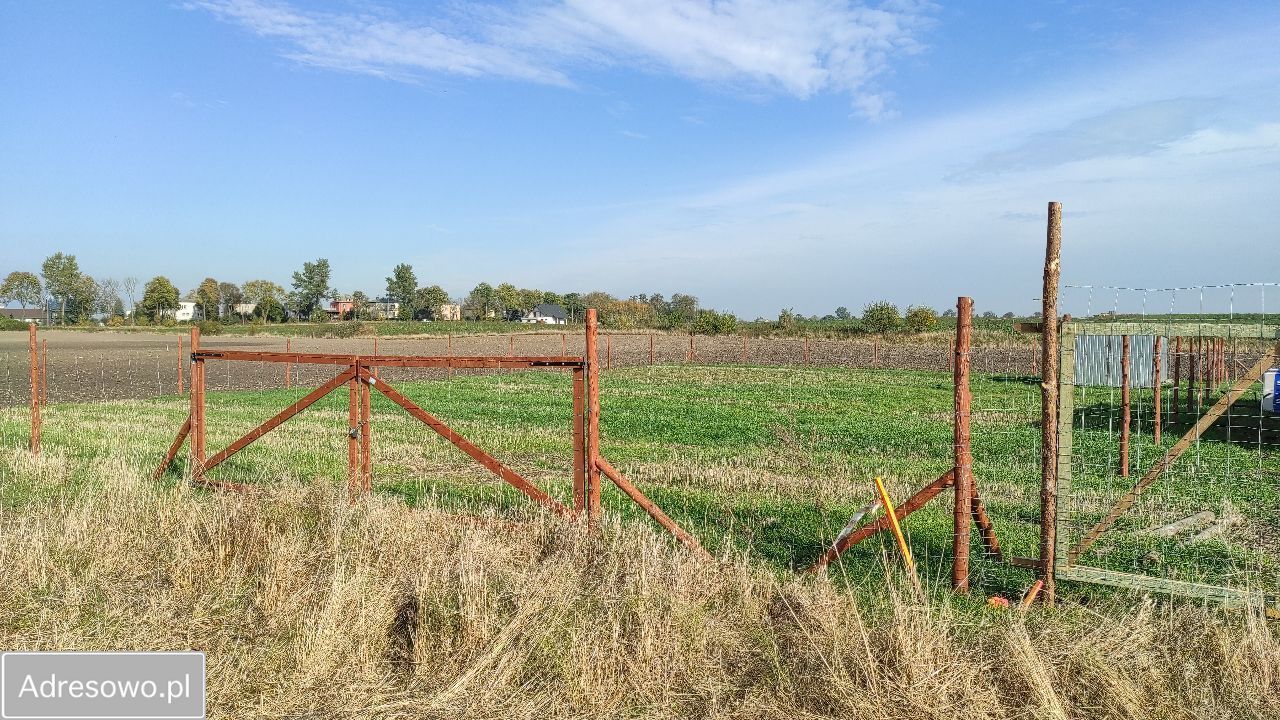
point(545, 314)
point(186, 312)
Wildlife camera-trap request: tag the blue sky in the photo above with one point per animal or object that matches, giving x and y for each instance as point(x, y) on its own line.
point(758, 154)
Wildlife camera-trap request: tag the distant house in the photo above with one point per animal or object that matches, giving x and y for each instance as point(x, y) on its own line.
point(545, 314)
point(449, 312)
point(384, 309)
point(27, 315)
point(245, 309)
point(186, 312)
point(340, 307)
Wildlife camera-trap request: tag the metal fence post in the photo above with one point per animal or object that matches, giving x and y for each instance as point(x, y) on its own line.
point(963, 507)
point(1049, 400)
point(34, 442)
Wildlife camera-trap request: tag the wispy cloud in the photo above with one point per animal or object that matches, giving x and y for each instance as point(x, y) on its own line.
point(798, 48)
point(633, 135)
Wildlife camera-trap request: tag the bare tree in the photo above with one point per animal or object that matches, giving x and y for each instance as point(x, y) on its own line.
point(130, 286)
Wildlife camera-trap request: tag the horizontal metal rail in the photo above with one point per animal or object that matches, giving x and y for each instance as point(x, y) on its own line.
point(422, 361)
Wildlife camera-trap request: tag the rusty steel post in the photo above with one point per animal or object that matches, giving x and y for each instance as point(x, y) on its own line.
point(197, 407)
point(1049, 399)
point(693, 353)
point(511, 345)
point(1124, 406)
point(1192, 372)
point(366, 433)
point(963, 467)
point(650, 348)
point(593, 421)
point(579, 443)
point(180, 389)
point(34, 442)
point(450, 353)
point(353, 432)
point(608, 351)
point(44, 372)
point(1157, 389)
point(1177, 377)
point(288, 367)
point(806, 350)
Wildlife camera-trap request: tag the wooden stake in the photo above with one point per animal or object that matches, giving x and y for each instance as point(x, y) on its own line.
point(1124, 406)
point(593, 421)
point(963, 466)
point(650, 348)
point(1049, 399)
point(1157, 388)
point(34, 441)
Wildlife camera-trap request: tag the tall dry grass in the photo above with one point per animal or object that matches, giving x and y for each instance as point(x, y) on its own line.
point(309, 608)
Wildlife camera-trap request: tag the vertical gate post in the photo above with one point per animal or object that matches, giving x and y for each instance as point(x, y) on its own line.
point(963, 473)
point(34, 442)
point(197, 407)
point(366, 434)
point(579, 443)
point(1049, 399)
point(353, 432)
point(1157, 387)
point(593, 420)
point(1124, 405)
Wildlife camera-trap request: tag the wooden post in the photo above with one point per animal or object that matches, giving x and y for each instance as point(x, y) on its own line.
point(1192, 372)
point(593, 420)
point(1124, 406)
point(1177, 376)
point(692, 350)
point(353, 432)
point(34, 442)
point(180, 390)
point(366, 435)
point(608, 350)
point(579, 442)
point(564, 344)
point(1049, 399)
point(1157, 388)
point(963, 507)
point(197, 407)
point(44, 372)
point(288, 367)
point(511, 345)
point(650, 348)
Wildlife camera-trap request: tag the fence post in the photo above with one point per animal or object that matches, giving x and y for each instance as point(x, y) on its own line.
point(180, 388)
point(450, 352)
point(1192, 360)
point(1124, 406)
point(963, 473)
point(806, 350)
point(353, 431)
point(593, 421)
point(35, 390)
point(564, 344)
point(511, 345)
point(288, 366)
point(693, 353)
point(1049, 399)
point(197, 406)
point(1177, 376)
point(608, 345)
point(650, 348)
point(1157, 388)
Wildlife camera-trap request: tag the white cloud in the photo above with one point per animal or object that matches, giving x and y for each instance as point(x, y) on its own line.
point(798, 48)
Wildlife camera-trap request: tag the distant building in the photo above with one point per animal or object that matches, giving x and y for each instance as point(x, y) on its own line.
point(384, 309)
point(245, 309)
point(28, 315)
point(186, 312)
point(545, 314)
point(339, 308)
point(449, 311)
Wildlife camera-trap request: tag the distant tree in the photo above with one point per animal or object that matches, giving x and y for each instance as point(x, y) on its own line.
point(552, 298)
point(597, 299)
point(108, 290)
point(711, 322)
point(207, 299)
point(508, 298)
point(61, 275)
point(159, 297)
point(842, 313)
point(920, 319)
point(1007, 316)
point(265, 296)
point(401, 286)
point(683, 310)
point(786, 319)
point(988, 315)
point(23, 288)
point(84, 300)
point(130, 287)
point(481, 302)
point(117, 309)
point(429, 299)
point(881, 317)
point(573, 306)
point(310, 286)
point(529, 299)
point(359, 306)
point(229, 296)
point(949, 313)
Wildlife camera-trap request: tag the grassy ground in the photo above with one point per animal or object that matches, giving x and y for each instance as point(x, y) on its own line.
point(764, 465)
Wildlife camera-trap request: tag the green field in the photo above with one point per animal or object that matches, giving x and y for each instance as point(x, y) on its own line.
point(766, 463)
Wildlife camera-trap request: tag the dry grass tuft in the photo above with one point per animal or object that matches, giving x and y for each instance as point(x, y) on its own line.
point(310, 608)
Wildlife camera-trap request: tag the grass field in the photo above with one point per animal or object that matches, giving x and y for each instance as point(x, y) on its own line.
point(763, 464)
